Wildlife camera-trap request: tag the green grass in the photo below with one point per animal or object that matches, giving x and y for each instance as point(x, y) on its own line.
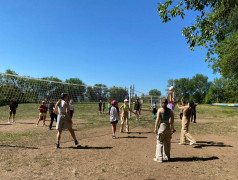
point(219, 120)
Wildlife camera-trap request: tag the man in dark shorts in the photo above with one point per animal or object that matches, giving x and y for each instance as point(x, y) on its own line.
point(52, 114)
point(12, 107)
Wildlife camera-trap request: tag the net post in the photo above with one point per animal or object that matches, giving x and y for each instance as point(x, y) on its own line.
point(130, 102)
point(151, 100)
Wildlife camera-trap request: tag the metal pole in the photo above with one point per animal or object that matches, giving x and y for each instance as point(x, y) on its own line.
point(130, 102)
point(151, 100)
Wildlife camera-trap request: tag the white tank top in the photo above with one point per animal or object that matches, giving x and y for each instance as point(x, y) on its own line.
point(62, 107)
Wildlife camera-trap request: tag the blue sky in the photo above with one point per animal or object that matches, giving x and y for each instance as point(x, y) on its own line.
point(113, 42)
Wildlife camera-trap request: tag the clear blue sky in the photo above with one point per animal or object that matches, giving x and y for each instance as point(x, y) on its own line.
point(113, 42)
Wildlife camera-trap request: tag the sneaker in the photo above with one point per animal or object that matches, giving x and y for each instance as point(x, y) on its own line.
point(181, 144)
point(76, 142)
point(36, 125)
point(157, 160)
point(191, 143)
point(57, 145)
point(113, 136)
point(13, 121)
point(9, 122)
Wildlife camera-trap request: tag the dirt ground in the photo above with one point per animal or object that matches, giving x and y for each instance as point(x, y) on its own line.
point(130, 156)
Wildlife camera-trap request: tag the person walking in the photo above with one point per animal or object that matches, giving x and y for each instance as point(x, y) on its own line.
point(53, 116)
point(163, 129)
point(114, 117)
point(64, 120)
point(185, 135)
point(12, 108)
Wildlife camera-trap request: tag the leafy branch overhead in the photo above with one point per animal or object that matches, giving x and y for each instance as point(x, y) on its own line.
point(215, 27)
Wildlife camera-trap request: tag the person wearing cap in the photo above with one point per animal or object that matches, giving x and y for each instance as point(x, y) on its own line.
point(124, 116)
point(163, 129)
point(42, 108)
point(137, 108)
point(154, 111)
point(114, 117)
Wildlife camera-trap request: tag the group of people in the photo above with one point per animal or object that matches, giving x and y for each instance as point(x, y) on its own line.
point(114, 112)
point(164, 126)
point(63, 111)
point(45, 107)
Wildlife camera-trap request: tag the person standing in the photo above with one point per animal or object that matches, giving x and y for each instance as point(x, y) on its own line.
point(181, 110)
point(100, 107)
point(154, 111)
point(71, 108)
point(124, 116)
point(114, 117)
point(163, 129)
point(103, 107)
point(42, 115)
point(53, 116)
point(194, 113)
point(185, 135)
point(12, 108)
point(64, 120)
point(137, 108)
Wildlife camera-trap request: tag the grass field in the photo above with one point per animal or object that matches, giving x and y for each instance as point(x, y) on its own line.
point(28, 149)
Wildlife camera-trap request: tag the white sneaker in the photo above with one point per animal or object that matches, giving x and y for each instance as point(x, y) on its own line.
point(13, 121)
point(191, 143)
point(36, 125)
point(157, 160)
point(9, 122)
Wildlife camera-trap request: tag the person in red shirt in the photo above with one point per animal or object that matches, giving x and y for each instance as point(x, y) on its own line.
point(42, 108)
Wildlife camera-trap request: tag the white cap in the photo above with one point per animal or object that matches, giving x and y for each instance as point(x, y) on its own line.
point(126, 100)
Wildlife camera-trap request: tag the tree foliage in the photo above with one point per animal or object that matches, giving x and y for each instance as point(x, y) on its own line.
point(154, 92)
point(215, 29)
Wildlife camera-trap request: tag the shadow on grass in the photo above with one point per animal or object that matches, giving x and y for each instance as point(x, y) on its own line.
point(20, 147)
point(87, 147)
point(190, 159)
point(132, 137)
point(201, 144)
point(5, 124)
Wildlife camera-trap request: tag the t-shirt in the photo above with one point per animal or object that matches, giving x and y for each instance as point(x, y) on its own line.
point(114, 114)
point(71, 107)
point(13, 105)
point(51, 108)
point(100, 104)
point(43, 108)
point(154, 106)
point(137, 106)
point(125, 107)
point(171, 106)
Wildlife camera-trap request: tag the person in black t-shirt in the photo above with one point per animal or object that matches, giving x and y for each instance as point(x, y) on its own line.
point(12, 107)
point(52, 114)
point(137, 108)
point(100, 107)
point(194, 113)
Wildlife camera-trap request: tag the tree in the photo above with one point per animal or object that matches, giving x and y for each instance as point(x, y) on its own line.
point(118, 93)
point(214, 30)
point(154, 92)
point(97, 93)
point(77, 89)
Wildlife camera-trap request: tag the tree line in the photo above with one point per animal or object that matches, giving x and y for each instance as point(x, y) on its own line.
point(27, 90)
point(200, 90)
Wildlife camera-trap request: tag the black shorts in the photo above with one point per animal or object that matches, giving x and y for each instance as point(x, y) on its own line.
point(114, 122)
point(12, 112)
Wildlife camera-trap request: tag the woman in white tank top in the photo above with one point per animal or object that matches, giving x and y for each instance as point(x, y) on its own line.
point(64, 120)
